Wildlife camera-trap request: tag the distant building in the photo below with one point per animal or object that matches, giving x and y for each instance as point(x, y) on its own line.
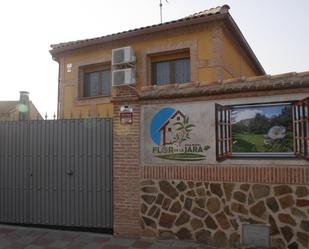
point(22, 109)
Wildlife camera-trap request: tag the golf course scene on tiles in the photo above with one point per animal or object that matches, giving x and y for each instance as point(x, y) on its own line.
point(262, 128)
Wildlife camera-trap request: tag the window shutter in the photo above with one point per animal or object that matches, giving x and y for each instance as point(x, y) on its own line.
point(301, 128)
point(223, 132)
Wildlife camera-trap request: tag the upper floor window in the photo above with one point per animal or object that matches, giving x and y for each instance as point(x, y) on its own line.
point(171, 68)
point(96, 81)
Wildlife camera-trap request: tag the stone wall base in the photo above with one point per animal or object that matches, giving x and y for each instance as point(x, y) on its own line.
point(213, 212)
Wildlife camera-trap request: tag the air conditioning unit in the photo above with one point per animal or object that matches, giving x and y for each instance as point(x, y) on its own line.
point(123, 77)
point(123, 55)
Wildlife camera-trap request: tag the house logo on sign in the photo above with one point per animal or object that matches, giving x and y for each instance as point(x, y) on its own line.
point(171, 131)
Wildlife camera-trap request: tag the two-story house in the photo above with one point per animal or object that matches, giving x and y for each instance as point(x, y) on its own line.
point(203, 47)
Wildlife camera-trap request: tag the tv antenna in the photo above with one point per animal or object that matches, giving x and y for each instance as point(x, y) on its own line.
point(161, 6)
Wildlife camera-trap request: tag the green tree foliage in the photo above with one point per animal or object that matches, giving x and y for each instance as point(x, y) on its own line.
point(284, 119)
point(260, 124)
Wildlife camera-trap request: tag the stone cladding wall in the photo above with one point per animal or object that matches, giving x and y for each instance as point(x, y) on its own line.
point(213, 212)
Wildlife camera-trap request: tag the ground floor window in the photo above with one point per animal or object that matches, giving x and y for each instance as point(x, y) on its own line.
point(259, 130)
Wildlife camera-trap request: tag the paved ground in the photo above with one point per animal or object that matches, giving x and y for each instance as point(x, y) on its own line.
point(13, 237)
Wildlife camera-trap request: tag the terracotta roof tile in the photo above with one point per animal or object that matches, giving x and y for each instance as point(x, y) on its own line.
point(213, 11)
point(285, 81)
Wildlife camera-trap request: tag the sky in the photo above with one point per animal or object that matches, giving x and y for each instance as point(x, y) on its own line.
point(277, 31)
point(247, 113)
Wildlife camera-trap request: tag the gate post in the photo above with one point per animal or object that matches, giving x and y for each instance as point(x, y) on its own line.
point(126, 166)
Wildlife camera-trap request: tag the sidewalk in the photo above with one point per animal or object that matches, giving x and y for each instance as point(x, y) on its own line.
point(14, 237)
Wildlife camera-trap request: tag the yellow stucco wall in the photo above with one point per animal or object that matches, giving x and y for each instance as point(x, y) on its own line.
point(204, 68)
point(235, 64)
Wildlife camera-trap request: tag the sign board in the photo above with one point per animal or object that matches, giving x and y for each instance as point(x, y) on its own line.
point(69, 67)
point(176, 133)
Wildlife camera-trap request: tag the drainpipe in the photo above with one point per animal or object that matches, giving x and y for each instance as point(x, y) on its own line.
point(58, 97)
point(58, 94)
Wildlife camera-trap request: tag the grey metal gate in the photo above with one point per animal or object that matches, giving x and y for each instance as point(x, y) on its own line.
point(56, 172)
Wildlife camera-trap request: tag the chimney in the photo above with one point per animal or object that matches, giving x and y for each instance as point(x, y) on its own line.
point(23, 106)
